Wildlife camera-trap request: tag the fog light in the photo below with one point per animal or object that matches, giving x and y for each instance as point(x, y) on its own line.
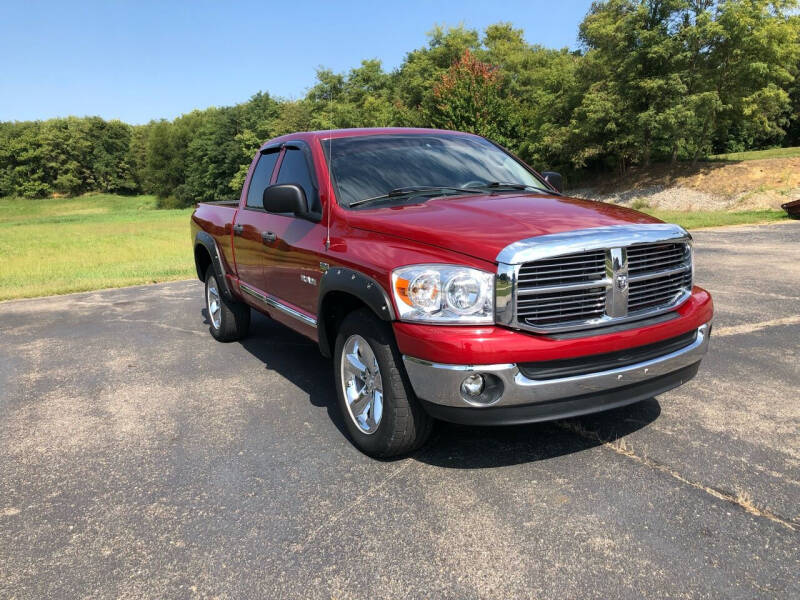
point(472, 385)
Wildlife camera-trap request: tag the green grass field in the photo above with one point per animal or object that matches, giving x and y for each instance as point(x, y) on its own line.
point(757, 154)
point(57, 246)
point(707, 218)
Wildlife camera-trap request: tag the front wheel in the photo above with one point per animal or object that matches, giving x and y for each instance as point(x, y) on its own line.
point(379, 408)
point(229, 320)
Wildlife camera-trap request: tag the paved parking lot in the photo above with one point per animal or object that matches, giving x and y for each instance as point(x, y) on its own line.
point(140, 458)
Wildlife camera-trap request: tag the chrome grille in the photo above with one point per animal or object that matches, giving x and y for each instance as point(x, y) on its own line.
point(557, 307)
point(598, 286)
point(562, 270)
point(655, 257)
point(658, 291)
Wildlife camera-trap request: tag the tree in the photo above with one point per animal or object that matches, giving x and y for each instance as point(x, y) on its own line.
point(359, 99)
point(163, 172)
point(22, 159)
point(258, 121)
point(422, 68)
point(754, 52)
point(213, 157)
point(470, 97)
point(633, 69)
point(137, 157)
point(545, 87)
point(111, 171)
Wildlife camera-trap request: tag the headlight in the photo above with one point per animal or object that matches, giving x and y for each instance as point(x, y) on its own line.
point(444, 294)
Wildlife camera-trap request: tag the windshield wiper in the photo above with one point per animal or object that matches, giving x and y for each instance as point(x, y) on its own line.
point(516, 186)
point(414, 189)
point(511, 186)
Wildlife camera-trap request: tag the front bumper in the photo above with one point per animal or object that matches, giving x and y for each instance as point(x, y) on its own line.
point(439, 386)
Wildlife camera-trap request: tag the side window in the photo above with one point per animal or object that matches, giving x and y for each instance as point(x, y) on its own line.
point(295, 170)
point(260, 179)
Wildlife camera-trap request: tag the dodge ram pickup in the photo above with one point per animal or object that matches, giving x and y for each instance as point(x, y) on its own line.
point(448, 280)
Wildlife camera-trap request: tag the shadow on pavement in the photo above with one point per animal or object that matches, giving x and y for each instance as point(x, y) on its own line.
point(467, 447)
point(298, 360)
point(295, 358)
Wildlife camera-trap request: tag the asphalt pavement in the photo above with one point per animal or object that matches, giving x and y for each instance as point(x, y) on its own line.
point(139, 458)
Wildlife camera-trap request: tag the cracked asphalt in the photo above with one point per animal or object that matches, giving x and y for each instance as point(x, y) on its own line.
point(139, 458)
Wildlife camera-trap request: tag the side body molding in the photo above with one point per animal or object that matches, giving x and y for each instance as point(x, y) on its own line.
point(207, 241)
point(349, 281)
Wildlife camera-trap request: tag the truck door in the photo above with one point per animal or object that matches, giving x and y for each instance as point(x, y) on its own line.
point(251, 220)
point(292, 261)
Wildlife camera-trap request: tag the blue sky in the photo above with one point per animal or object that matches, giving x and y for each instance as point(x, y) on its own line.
point(141, 60)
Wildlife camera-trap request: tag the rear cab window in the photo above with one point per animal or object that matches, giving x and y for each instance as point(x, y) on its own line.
point(260, 179)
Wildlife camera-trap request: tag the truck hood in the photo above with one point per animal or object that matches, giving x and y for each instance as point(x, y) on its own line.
point(481, 226)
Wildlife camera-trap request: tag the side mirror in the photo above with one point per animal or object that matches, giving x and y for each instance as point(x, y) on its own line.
point(285, 198)
point(554, 179)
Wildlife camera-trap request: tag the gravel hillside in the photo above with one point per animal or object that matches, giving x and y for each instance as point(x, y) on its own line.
point(732, 186)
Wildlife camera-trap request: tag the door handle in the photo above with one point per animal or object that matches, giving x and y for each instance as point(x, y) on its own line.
point(238, 229)
point(268, 237)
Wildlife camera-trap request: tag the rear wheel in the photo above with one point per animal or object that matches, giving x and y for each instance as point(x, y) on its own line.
point(228, 320)
point(379, 408)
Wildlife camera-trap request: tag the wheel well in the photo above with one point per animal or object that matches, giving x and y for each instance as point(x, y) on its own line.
point(202, 260)
point(335, 307)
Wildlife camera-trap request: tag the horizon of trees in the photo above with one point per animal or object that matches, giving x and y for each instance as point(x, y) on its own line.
point(654, 80)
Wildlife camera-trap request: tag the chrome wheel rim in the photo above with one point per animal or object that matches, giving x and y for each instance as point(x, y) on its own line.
point(362, 385)
point(213, 303)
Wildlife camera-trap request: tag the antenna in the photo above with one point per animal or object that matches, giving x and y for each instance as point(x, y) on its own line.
point(330, 183)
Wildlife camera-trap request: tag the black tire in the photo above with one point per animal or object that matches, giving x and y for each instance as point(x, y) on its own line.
point(404, 425)
point(234, 317)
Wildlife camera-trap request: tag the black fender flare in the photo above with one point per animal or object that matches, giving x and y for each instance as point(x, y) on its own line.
point(204, 239)
point(354, 283)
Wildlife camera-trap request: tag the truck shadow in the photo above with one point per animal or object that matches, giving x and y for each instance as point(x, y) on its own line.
point(468, 447)
point(298, 360)
point(295, 358)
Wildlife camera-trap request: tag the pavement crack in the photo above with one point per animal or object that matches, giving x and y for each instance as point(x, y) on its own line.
point(298, 548)
point(158, 324)
point(741, 499)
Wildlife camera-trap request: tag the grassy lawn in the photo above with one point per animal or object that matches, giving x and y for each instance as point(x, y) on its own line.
point(708, 218)
point(57, 246)
point(756, 154)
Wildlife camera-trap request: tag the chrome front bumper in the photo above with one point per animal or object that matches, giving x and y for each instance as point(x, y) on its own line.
point(440, 384)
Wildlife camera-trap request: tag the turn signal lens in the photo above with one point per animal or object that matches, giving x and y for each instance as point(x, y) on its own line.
point(401, 290)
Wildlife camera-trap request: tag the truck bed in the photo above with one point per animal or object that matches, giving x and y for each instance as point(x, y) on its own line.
point(221, 203)
point(216, 218)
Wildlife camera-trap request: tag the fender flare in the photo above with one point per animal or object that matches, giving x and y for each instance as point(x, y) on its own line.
point(205, 240)
point(363, 287)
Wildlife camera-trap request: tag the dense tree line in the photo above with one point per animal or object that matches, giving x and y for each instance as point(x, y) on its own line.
point(654, 80)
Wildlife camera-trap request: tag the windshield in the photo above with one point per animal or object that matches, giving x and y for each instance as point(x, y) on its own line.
point(367, 167)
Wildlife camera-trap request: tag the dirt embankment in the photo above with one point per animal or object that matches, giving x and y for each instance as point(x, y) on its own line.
point(732, 186)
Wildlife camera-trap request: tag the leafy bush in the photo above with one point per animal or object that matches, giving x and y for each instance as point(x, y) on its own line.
point(170, 202)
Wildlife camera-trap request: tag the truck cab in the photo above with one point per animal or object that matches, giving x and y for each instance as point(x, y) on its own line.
point(449, 280)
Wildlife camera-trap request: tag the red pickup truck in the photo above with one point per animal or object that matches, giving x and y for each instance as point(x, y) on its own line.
point(449, 280)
